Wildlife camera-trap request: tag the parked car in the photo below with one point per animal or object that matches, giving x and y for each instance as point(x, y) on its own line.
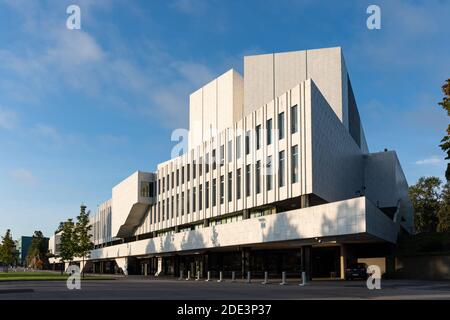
point(356, 271)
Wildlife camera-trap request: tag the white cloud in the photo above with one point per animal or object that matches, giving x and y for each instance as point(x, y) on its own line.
point(190, 7)
point(47, 132)
point(8, 119)
point(23, 176)
point(433, 160)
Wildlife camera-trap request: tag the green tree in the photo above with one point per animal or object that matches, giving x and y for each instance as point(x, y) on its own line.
point(445, 142)
point(37, 252)
point(67, 248)
point(84, 245)
point(444, 210)
point(7, 249)
point(425, 196)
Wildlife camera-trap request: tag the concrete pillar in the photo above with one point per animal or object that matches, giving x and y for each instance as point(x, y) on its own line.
point(123, 264)
point(343, 260)
point(245, 261)
point(66, 265)
point(304, 201)
point(306, 264)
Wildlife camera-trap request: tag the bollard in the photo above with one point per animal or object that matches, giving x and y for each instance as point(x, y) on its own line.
point(188, 275)
point(248, 277)
point(303, 282)
point(220, 277)
point(233, 276)
point(198, 276)
point(266, 277)
point(283, 278)
point(208, 276)
point(181, 275)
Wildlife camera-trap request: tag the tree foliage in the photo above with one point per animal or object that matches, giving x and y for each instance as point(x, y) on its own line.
point(445, 142)
point(444, 210)
point(68, 241)
point(425, 197)
point(7, 249)
point(83, 235)
point(37, 252)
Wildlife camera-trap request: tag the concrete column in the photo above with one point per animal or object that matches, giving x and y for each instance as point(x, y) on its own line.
point(306, 264)
point(304, 201)
point(343, 260)
point(123, 264)
point(245, 261)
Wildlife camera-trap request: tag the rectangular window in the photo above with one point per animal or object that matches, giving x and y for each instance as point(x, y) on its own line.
point(230, 186)
point(238, 184)
point(182, 203)
point(230, 151)
point(214, 194)
point(188, 172)
point(258, 137)
point(145, 189)
point(238, 147)
point(200, 197)
point(258, 176)
point(159, 212)
point(200, 166)
point(247, 142)
point(178, 204)
point(167, 182)
point(207, 163)
point(214, 159)
point(182, 175)
point(294, 119)
point(281, 126)
point(207, 195)
point(167, 209)
point(178, 177)
point(194, 170)
point(222, 189)
point(294, 164)
point(173, 180)
point(269, 131)
point(172, 208)
point(193, 199)
point(159, 186)
point(152, 189)
point(222, 155)
point(188, 202)
point(163, 211)
point(247, 180)
point(163, 184)
point(269, 173)
point(281, 179)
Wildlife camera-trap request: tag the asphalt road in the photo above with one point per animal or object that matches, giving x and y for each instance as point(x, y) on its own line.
point(145, 288)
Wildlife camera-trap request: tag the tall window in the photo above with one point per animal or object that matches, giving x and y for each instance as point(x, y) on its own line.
point(214, 194)
point(167, 209)
point(238, 184)
point(294, 119)
point(200, 197)
point(163, 211)
point(207, 163)
point(193, 199)
point(294, 164)
point(159, 212)
point(194, 169)
point(182, 175)
point(222, 155)
point(159, 186)
point(247, 180)
point(178, 204)
point(172, 184)
point(247, 142)
point(281, 126)
point(188, 202)
point(230, 186)
point(238, 147)
point(178, 177)
point(258, 137)
point(230, 150)
point(222, 191)
point(167, 182)
point(163, 184)
point(188, 173)
point(182, 203)
point(269, 131)
point(269, 173)
point(207, 195)
point(258, 176)
point(281, 178)
point(200, 166)
point(214, 159)
point(172, 208)
point(145, 189)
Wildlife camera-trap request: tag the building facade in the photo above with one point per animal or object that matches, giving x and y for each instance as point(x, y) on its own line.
point(277, 176)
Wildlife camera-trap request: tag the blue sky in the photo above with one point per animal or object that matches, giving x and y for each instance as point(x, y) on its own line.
point(81, 110)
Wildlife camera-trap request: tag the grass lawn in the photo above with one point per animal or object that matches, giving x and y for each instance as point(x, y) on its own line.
point(43, 276)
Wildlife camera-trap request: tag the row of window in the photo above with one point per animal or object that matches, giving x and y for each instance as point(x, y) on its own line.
point(191, 194)
point(174, 177)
